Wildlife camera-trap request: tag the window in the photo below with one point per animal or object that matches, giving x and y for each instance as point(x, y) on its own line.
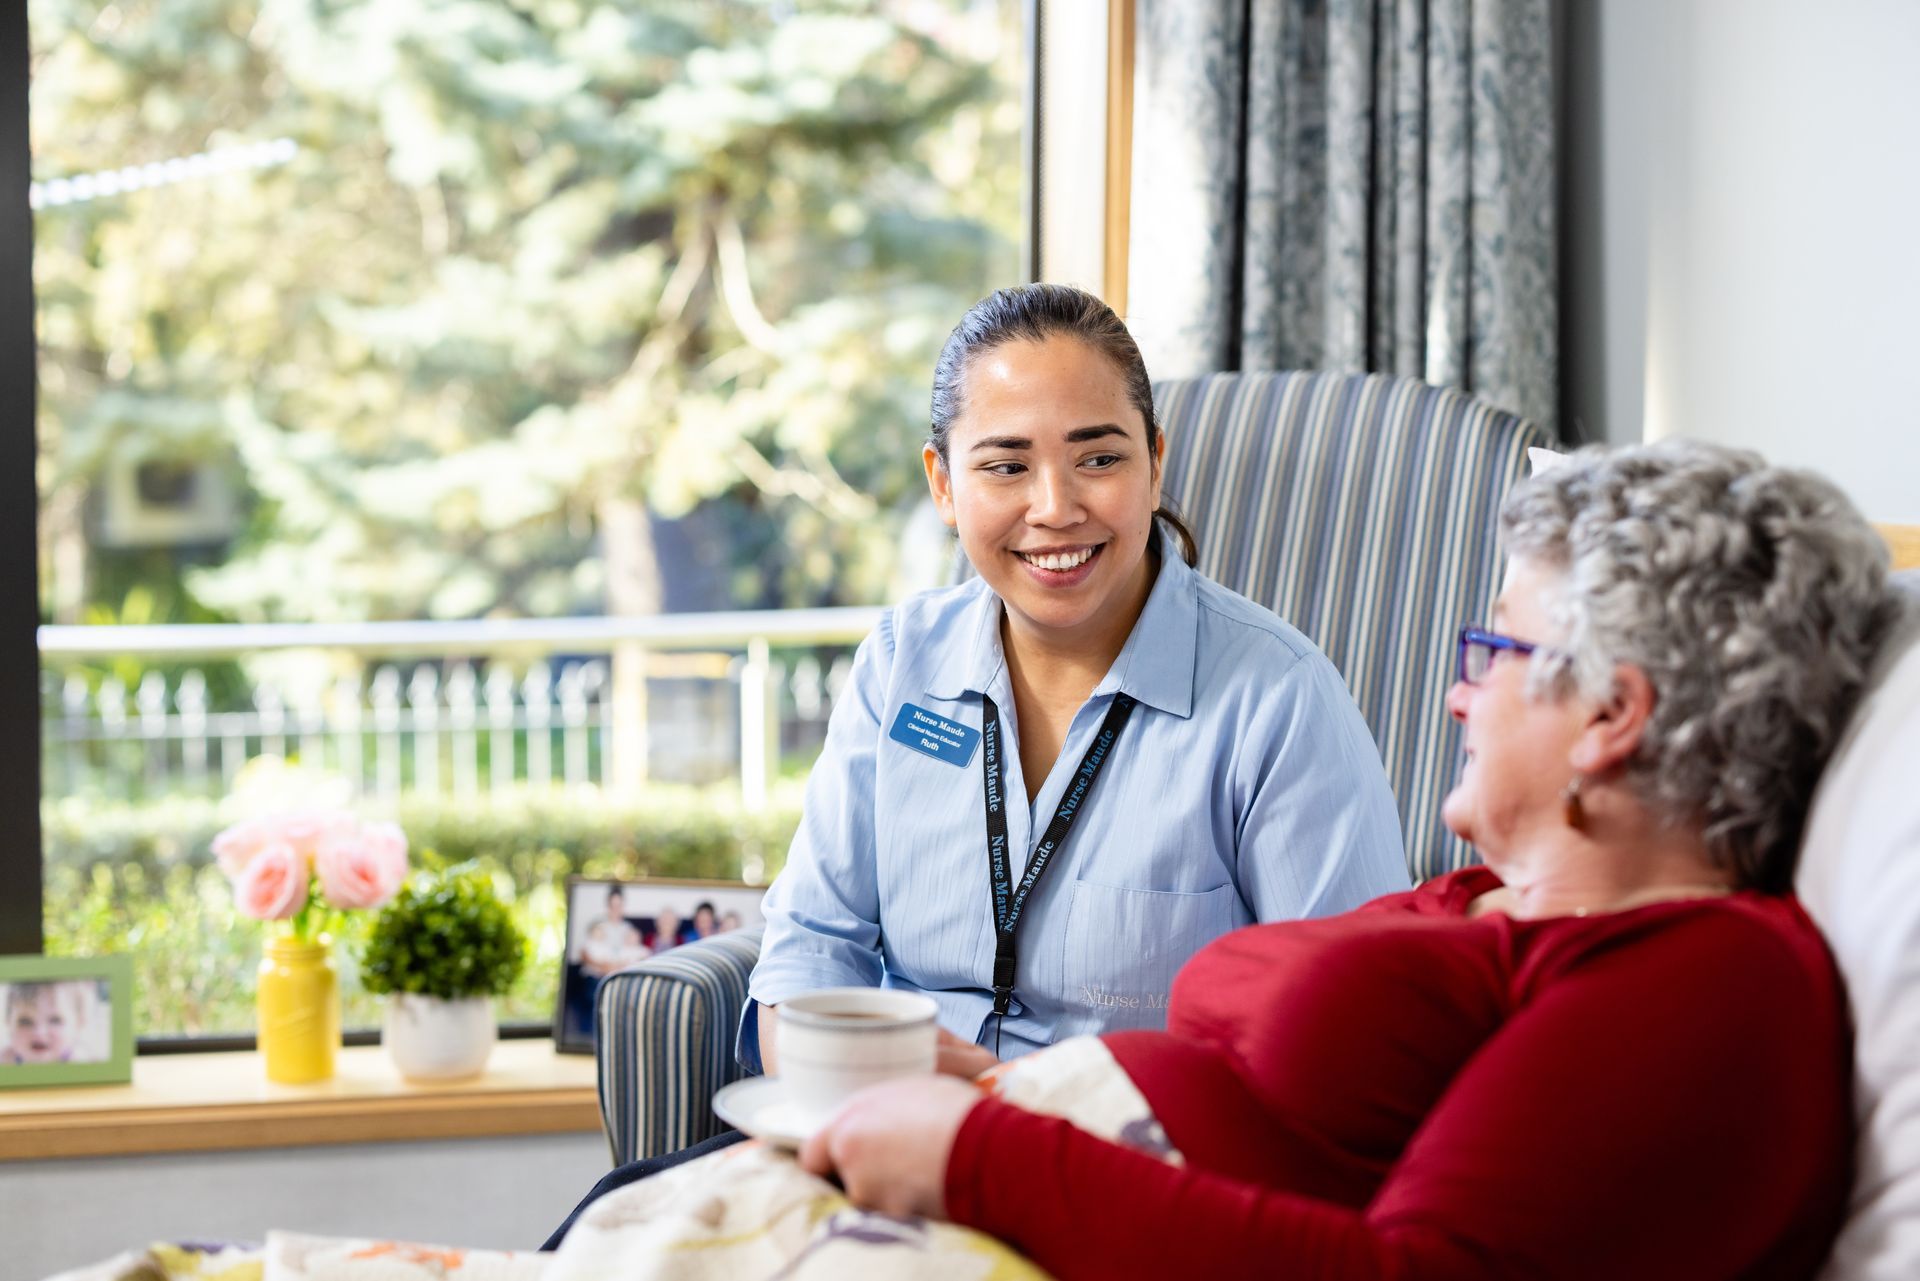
point(355, 315)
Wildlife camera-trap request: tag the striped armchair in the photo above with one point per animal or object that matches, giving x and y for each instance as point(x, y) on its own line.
point(1359, 507)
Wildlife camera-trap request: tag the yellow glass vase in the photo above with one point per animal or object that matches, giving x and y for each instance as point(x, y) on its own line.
point(299, 1009)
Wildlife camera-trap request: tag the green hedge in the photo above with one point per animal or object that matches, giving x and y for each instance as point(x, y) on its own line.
point(140, 879)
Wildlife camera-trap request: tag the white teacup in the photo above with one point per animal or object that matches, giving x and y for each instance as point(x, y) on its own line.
point(839, 1040)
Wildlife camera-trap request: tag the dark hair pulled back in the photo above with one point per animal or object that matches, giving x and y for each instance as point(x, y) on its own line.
point(1035, 313)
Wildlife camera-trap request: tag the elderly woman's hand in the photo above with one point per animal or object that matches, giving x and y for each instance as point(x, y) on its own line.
point(889, 1145)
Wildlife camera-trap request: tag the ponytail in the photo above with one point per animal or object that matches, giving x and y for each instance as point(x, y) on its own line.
point(1189, 546)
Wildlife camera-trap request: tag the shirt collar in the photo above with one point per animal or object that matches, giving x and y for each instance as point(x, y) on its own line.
point(982, 657)
point(1155, 666)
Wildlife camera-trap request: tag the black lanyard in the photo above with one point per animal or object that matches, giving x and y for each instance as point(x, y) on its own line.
point(1008, 901)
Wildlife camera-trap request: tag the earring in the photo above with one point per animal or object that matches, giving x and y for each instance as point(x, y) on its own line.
point(1570, 802)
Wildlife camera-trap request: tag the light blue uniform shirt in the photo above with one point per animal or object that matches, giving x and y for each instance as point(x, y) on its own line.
point(1246, 787)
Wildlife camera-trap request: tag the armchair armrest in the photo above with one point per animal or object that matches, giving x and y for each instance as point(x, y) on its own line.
point(664, 1041)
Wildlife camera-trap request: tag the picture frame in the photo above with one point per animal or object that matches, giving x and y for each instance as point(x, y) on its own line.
point(612, 924)
point(68, 1020)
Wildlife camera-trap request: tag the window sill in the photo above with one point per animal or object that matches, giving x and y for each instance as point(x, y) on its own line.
point(215, 1102)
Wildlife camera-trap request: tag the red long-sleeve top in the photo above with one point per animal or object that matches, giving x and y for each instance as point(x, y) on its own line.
point(1404, 1091)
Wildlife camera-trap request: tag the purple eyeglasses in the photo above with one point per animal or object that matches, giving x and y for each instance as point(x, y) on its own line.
point(1478, 647)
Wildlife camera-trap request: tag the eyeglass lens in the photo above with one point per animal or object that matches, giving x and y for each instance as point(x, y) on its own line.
point(1476, 658)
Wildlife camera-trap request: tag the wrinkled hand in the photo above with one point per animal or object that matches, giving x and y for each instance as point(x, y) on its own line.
point(890, 1144)
point(962, 1058)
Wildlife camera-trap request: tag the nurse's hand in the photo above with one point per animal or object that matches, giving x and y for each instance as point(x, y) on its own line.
point(962, 1058)
point(890, 1144)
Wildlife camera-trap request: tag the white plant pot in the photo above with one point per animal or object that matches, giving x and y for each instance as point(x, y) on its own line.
point(435, 1040)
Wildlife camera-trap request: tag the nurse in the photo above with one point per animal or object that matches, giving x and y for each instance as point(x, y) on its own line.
point(1046, 788)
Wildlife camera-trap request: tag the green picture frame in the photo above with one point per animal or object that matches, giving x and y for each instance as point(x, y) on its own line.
point(86, 1001)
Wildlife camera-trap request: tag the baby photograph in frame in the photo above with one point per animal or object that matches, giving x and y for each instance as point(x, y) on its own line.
point(69, 1020)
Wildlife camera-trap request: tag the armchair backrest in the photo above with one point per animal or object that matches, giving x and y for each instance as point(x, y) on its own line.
point(1362, 509)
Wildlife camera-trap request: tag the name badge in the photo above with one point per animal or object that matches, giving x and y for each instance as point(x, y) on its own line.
point(934, 735)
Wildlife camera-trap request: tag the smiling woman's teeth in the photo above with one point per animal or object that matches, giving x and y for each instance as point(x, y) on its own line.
point(1062, 560)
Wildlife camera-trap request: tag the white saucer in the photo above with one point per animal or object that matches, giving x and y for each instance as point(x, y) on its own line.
point(758, 1106)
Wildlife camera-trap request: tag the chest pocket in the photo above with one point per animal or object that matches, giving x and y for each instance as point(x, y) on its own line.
point(1124, 946)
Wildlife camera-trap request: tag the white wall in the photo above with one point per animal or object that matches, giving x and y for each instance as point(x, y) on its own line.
point(1742, 224)
point(501, 1193)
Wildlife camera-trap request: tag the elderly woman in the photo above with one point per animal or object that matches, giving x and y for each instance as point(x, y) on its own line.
point(1619, 1049)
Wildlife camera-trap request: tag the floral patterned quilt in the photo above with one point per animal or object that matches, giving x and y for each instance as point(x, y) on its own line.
point(292, 1256)
point(748, 1211)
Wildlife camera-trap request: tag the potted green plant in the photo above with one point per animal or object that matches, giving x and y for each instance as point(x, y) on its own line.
point(440, 951)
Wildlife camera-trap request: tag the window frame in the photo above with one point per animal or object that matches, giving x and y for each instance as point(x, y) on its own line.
point(20, 861)
point(1081, 118)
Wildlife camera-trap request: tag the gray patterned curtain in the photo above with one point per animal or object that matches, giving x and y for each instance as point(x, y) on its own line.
point(1348, 184)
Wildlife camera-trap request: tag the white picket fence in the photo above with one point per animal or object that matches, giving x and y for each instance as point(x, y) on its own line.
point(460, 709)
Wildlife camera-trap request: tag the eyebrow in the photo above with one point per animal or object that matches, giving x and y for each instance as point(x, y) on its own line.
point(1074, 437)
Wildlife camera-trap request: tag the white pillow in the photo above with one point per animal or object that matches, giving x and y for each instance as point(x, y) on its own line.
point(1860, 879)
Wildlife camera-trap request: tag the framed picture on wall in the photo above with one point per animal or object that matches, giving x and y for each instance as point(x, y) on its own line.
point(614, 924)
point(69, 1020)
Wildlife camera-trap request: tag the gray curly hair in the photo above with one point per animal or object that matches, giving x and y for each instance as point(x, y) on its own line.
point(1753, 598)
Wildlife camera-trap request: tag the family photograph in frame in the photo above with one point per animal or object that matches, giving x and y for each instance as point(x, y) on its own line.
point(69, 1020)
point(612, 924)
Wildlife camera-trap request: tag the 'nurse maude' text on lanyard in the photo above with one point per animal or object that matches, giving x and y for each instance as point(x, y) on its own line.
point(1007, 900)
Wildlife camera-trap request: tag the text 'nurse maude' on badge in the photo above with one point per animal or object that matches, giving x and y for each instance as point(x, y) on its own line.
point(937, 736)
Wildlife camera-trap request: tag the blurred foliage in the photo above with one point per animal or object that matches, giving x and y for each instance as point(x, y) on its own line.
point(141, 879)
point(532, 260)
point(447, 934)
point(533, 267)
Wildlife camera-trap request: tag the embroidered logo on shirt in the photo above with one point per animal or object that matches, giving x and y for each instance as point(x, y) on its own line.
point(1095, 997)
point(934, 735)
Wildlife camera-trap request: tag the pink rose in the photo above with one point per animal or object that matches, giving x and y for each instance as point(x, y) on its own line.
point(362, 868)
point(237, 846)
point(273, 884)
point(389, 843)
point(308, 830)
